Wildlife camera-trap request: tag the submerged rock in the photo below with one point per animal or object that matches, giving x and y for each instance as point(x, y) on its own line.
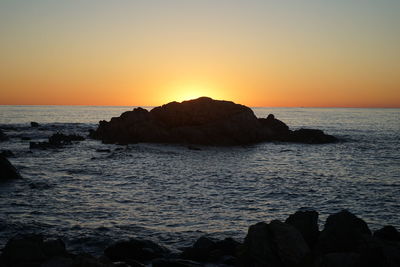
point(34, 124)
point(7, 170)
point(200, 121)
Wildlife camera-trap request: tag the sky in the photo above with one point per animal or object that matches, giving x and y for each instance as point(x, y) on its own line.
point(300, 53)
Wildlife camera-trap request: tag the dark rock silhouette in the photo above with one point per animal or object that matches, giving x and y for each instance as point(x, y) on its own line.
point(274, 244)
point(7, 170)
point(343, 232)
point(34, 124)
point(57, 140)
point(3, 136)
point(306, 222)
point(31, 250)
point(201, 121)
point(388, 233)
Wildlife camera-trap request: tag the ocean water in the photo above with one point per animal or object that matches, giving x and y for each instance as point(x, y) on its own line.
point(173, 195)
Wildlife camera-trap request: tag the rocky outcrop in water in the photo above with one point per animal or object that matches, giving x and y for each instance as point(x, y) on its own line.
point(345, 241)
point(201, 121)
point(57, 140)
point(34, 124)
point(7, 170)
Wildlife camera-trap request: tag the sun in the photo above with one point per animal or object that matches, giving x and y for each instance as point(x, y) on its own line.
point(192, 91)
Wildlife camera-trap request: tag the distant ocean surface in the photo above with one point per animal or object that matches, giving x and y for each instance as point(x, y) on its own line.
point(173, 195)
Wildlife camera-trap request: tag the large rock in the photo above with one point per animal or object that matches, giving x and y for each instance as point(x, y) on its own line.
point(276, 244)
point(7, 170)
point(200, 121)
point(306, 222)
point(343, 233)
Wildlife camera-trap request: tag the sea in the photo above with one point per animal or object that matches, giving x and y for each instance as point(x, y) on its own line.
point(92, 194)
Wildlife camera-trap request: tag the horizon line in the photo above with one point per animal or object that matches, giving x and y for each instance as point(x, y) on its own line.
point(152, 106)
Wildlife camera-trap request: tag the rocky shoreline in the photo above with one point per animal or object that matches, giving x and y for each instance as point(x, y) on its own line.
point(345, 241)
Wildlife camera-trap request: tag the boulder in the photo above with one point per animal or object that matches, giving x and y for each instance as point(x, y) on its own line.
point(7, 170)
point(201, 121)
point(291, 247)
point(135, 249)
point(343, 233)
point(388, 233)
point(306, 222)
point(275, 244)
point(31, 250)
point(3, 136)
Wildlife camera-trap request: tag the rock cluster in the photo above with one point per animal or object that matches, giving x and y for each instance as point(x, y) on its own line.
point(57, 140)
point(201, 121)
point(345, 241)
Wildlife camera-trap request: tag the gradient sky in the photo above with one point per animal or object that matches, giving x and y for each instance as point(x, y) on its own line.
point(342, 53)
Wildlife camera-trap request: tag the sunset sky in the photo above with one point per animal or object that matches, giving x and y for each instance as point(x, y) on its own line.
point(309, 53)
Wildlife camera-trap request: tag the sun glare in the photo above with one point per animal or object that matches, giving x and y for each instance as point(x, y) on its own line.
point(191, 91)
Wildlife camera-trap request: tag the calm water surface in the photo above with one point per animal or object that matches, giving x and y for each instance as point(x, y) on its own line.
point(173, 195)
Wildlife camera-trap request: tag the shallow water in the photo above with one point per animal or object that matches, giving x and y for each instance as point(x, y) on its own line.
point(173, 195)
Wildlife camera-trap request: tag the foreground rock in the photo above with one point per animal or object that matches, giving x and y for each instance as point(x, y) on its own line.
point(57, 140)
point(7, 170)
point(345, 241)
point(201, 121)
point(274, 244)
point(306, 222)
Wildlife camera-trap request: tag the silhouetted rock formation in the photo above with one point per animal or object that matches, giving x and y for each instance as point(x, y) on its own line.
point(201, 121)
point(345, 241)
point(7, 170)
point(57, 140)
